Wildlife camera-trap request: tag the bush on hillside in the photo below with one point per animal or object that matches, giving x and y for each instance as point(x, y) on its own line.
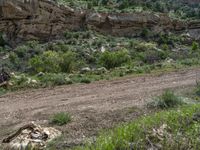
point(68, 62)
point(2, 42)
point(114, 59)
point(49, 61)
point(52, 79)
point(195, 46)
point(167, 100)
point(153, 56)
point(54, 62)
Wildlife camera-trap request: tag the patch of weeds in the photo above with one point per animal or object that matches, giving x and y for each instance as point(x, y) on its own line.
point(170, 128)
point(61, 118)
point(52, 79)
point(195, 46)
point(85, 80)
point(114, 59)
point(167, 100)
point(52, 145)
point(24, 81)
point(197, 92)
point(2, 91)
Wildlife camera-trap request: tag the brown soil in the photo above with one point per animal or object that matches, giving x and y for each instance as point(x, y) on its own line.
point(93, 106)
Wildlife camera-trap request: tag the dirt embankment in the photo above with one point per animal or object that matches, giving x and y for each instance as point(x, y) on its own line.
point(93, 106)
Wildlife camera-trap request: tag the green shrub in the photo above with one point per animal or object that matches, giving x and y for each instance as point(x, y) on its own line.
point(144, 47)
point(85, 80)
point(54, 62)
point(195, 46)
point(131, 44)
point(2, 91)
point(21, 80)
point(165, 47)
point(55, 79)
point(59, 47)
point(145, 32)
point(61, 118)
point(21, 51)
point(198, 89)
point(167, 100)
point(114, 59)
point(152, 56)
point(1, 49)
point(49, 61)
point(68, 62)
point(2, 42)
point(14, 59)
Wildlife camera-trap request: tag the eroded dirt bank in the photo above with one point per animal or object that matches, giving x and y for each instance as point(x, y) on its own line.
point(93, 106)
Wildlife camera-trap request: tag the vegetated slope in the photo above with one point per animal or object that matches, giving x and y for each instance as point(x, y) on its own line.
point(165, 129)
point(93, 107)
point(90, 46)
point(111, 39)
point(182, 9)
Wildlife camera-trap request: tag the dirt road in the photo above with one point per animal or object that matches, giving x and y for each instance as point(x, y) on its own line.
point(93, 106)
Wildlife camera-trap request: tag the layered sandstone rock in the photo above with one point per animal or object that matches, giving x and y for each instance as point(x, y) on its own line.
point(125, 24)
point(47, 21)
point(44, 20)
point(18, 9)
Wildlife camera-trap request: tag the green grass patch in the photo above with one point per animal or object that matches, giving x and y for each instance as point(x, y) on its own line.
point(85, 80)
point(61, 118)
point(2, 91)
point(173, 129)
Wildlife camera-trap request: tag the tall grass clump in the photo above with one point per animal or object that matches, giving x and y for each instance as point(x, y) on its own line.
point(114, 59)
point(167, 100)
point(197, 89)
point(61, 118)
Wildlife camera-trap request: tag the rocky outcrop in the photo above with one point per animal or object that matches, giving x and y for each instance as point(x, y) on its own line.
point(18, 9)
point(125, 24)
point(45, 20)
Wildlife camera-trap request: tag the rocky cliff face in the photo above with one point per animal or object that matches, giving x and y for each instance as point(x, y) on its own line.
point(191, 1)
point(18, 9)
point(44, 20)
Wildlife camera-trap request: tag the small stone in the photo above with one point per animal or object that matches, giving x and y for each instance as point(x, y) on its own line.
point(40, 74)
point(85, 70)
point(102, 70)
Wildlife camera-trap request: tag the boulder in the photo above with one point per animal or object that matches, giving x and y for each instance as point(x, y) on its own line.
point(36, 20)
point(31, 136)
point(101, 70)
point(85, 70)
